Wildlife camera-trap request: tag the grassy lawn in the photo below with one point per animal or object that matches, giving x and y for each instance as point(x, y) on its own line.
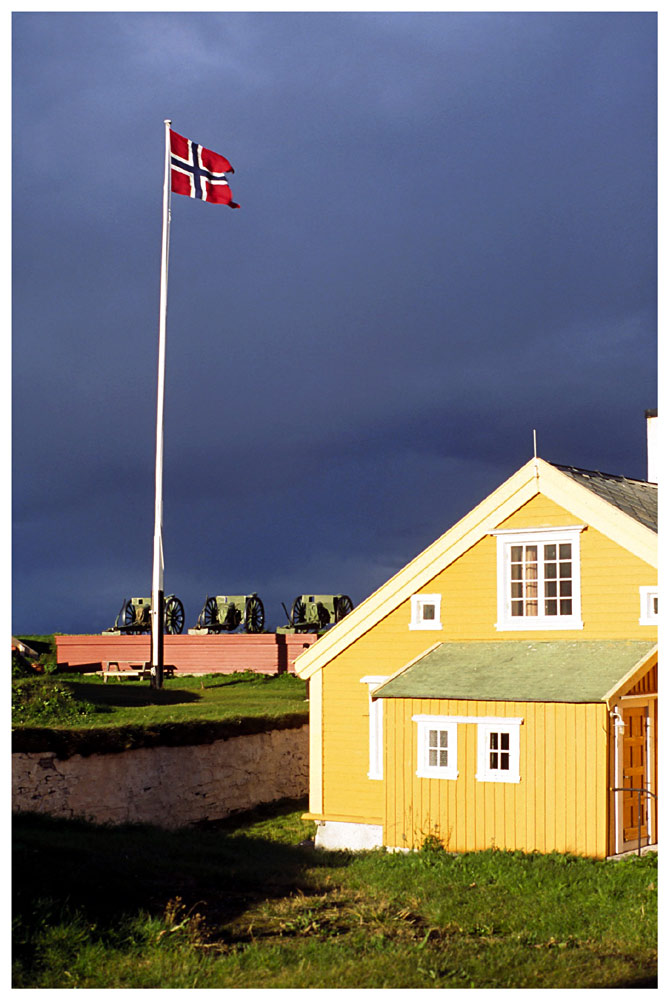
point(245, 903)
point(76, 701)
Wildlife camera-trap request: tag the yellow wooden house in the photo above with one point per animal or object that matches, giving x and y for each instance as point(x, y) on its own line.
point(501, 689)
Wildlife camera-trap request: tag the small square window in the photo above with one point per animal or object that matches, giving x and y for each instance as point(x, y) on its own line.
point(437, 748)
point(498, 751)
point(649, 606)
point(425, 611)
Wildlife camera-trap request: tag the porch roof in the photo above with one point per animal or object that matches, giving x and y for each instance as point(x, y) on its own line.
point(582, 671)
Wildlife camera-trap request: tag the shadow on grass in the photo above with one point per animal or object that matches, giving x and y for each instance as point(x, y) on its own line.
point(108, 874)
point(129, 694)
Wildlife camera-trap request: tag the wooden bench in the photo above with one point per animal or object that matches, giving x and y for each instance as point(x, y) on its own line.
point(131, 669)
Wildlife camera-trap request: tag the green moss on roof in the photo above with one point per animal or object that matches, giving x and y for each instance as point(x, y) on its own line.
point(518, 671)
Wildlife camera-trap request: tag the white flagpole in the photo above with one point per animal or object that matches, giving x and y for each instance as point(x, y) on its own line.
point(157, 591)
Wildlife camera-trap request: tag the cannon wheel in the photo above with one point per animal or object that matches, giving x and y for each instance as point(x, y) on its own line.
point(298, 612)
point(174, 616)
point(255, 615)
point(343, 605)
point(210, 613)
point(127, 614)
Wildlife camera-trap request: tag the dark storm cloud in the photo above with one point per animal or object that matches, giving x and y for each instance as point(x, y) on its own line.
point(447, 239)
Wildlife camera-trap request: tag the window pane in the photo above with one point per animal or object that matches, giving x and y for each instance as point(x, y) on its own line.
point(505, 741)
point(504, 762)
point(565, 569)
point(530, 553)
point(550, 588)
point(517, 590)
point(565, 550)
point(516, 571)
point(432, 758)
point(550, 571)
point(516, 553)
point(551, 607)
point(432, 737)
point(443, 738)
point(549, 552)
point(443, 758)
point(565, 588)
point(565, 607)
point(517, 609)
point(493, 741)
point(493, 762)
point(428, 612)
point(532, 609)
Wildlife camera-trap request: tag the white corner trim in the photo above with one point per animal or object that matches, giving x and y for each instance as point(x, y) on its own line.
point(375, 772)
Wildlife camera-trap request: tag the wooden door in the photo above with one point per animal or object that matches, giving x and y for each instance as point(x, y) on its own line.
point(635, 774)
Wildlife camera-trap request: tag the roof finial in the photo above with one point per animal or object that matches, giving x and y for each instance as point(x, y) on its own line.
point(536, 465)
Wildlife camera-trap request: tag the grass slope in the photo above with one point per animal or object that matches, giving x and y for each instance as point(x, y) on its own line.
point(244, 902)
point(84, 715)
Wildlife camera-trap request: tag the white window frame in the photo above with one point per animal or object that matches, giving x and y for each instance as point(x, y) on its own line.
point(647, 597)
point(418, 623)
point(501, 725)
point(375, 772)
point(539, 536)
point(438, 723)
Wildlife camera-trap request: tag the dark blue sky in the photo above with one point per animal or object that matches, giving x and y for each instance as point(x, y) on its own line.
point(447, 238)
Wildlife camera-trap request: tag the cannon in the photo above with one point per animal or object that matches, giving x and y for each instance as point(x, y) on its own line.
point(224, 613)
point(315, 612)
point(134, 618)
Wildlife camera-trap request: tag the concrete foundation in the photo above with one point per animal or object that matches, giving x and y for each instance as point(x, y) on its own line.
point(335, 836)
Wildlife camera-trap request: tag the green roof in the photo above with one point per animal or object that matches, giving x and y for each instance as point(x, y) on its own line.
point(517, 671)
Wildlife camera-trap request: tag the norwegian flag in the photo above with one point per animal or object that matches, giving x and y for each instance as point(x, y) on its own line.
point(198, 172)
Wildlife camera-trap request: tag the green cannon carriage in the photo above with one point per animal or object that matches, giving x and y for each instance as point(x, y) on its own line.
point(315, 612)
point(225, 613)
point(134, 618)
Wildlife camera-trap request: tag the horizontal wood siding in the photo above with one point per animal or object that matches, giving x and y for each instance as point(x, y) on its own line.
point(190, 654)
point(347, 790)
point(559, 804)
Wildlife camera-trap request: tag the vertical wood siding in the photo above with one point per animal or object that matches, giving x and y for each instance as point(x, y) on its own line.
point(647, 684)
point(559, 803)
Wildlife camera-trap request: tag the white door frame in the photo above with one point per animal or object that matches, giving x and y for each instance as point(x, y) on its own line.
point(633, 701)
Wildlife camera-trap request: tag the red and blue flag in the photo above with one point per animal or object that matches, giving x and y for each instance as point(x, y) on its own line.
point(198, 172)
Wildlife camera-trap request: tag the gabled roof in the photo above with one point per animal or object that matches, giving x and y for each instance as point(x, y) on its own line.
point(508, 670)
point(633, 496)
point(565, 488)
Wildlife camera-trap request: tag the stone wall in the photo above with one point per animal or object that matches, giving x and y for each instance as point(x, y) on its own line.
point(165, 786)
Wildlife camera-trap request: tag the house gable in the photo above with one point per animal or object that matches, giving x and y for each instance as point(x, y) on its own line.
point(571, 503)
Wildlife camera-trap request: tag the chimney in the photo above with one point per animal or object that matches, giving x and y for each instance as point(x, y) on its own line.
point(651, 436)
